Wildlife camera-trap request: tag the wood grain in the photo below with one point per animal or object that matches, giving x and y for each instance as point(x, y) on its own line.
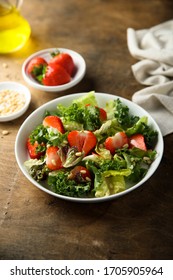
point(35, 225)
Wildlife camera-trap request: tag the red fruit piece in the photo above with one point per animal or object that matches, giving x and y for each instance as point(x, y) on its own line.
point(53, 160)
point(103, 114)
point(55, 75)
point(55, 122)
point(85, 140)
point(65, 60)
point(137, 141)
point(80, 174)
point(36, 65)
point(32, 149)
point(115, 142)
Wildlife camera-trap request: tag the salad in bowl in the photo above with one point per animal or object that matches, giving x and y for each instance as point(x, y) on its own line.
point(92, 147)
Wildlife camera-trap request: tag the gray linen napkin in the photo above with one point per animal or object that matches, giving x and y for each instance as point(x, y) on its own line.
point(154, 49)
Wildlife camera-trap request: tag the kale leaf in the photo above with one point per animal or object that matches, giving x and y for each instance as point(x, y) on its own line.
point(89, 116)
point(123, 115)
point(61, 184)
point(38, 134)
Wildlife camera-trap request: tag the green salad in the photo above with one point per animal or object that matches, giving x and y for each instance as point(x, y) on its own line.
point(86, 151)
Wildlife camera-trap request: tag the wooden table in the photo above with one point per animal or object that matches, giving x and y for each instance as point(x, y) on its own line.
point(35, 225)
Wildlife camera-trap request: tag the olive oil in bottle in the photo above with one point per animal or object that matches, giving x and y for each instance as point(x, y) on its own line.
point(14, 29)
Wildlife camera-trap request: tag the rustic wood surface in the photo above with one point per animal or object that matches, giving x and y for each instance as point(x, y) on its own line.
point(35, 225)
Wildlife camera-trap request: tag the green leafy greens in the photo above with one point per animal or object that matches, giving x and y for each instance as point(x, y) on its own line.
point(110, 173)
point(81, 114)
point(60, 183)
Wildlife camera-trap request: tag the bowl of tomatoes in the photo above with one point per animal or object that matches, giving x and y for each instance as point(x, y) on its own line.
point(89, 147)
point(54, 69)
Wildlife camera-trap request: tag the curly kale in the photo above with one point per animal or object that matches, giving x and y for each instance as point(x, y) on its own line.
point(122, 114)
point(60, 183)
point(134, 124)
point(88, 116)
point(38, 134)
point(150, 136)
point(47, 135)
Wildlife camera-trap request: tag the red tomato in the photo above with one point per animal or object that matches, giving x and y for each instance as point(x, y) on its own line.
point(115, 142)
point(32, 149)
point(55, 122)
point(55, 75)
point(53, 160)
point(65, 60)
point(36, 65)
point(85, 140)
point(137, 141)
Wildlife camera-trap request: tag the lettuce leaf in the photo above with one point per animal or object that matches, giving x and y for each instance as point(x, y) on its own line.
point(110, 109)
point(37, 169)
point(109, 128)
point(69, 157)
point(104, 153)
point(138, 127)
point(78, 116)
point(72, 125)
point(141, 126)
point(116, 109)
point(110, 182)
point(138, 161)
point(89, 98)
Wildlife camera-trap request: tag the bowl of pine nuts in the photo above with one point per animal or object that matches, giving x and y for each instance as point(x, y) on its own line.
point(14, 100)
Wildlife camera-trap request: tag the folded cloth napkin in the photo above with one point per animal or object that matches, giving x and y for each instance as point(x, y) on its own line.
point(154, 48)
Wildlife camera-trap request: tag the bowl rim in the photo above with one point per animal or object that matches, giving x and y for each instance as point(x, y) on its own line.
point(98, 96)
point(22, 89)
point(78, 59)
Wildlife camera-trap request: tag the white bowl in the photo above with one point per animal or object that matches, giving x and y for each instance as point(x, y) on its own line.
point(46, 54)
point(36, 118)
point(21, 89)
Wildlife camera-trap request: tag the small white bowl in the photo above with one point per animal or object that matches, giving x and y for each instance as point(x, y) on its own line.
point(36, 118)
point(46, 54)
point(21, 89)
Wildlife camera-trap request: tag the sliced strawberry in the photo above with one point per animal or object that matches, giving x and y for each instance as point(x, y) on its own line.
point(103, 114)
point(137, 141)
point(53, 160)
point(55, 122)
point(80, 174)
point(32, 149)
point(85, 140)
point(55, 75)
point(115, 142)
